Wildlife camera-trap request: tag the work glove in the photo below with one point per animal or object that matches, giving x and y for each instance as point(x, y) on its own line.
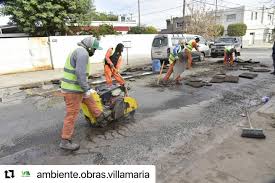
point(88, 93)
point(112, 66)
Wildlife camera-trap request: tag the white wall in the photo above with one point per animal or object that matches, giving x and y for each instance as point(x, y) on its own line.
point(139, 53)
point(30, 54)
point(24, 54)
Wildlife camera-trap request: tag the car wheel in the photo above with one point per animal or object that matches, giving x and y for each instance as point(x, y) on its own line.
point(213, 55)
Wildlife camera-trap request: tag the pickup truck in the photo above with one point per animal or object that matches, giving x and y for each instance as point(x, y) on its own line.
point(219, 45)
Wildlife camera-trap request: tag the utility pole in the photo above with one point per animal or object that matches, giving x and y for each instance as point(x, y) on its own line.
point(216, 9)
point(138, 13)
point(183, 16)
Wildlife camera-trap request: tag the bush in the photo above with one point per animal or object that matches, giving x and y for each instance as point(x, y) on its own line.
point(238, 29)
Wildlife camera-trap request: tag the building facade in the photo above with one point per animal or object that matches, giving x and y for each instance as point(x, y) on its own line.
point(259, 21)
point(175, 25)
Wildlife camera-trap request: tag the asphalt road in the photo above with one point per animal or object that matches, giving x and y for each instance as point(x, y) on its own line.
point(162, 134)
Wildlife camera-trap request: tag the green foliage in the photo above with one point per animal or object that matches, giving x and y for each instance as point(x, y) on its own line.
point(100, 31)
point(45, 18)
point(219, 29)
point(136, 30)
point(104, 17)
point(238, 29)
point(150, 30)
point(143, 30)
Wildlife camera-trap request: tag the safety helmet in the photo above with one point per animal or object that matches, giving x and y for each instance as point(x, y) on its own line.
point(91, 42)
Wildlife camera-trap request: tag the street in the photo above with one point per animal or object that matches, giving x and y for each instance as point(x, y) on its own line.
point(171, 125)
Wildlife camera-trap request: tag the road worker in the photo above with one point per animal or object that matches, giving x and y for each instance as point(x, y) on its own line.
point(188, 51)
point(76, 89)
point(113, 62)
point(173, 58)
point(229, 55)
point(273, 58)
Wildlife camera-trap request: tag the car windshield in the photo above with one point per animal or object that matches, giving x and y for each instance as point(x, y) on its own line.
point(226, 40)
point(189, 38)
point(160, 41)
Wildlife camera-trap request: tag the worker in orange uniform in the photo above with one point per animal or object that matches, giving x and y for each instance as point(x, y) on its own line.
point(173, 58)
point(228, 55)
point(188, 51)
point(113, 62)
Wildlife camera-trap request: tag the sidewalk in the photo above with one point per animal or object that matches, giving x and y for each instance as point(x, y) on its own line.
point(13, 80)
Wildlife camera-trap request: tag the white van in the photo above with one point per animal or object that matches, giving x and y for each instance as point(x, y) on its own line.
point(163, 44)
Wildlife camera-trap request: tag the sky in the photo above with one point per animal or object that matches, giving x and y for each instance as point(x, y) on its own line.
point(155, 12)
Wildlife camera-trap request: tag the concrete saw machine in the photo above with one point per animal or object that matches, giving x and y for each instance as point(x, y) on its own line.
point(115, 104)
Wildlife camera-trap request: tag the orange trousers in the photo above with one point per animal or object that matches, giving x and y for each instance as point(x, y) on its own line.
point(228, 58)
point(108, 76)
point(73, 102)
point(169, 72)
point(189, 58)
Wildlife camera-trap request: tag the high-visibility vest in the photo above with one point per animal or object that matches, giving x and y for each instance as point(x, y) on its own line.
point(227, 49)
point(114, 58)
point(69, 81)
point(174, 54)
point(190, 45)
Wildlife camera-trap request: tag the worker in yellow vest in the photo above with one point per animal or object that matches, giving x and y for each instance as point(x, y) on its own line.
point(174, 56)
point(76, 89)
point(228, 55)
point(188, 51)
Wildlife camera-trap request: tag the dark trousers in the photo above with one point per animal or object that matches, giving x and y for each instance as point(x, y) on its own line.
point(273, 57)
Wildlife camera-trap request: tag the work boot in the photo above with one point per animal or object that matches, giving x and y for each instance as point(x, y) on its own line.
point(68, 145)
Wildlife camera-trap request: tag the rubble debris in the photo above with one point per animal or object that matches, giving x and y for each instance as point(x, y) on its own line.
point(56, 82)
point(30, 86)
point(125, 73)
point(147, 68)
point(244, 69)
point(260, 70)
point(220, 61)
point(133, 69)
point(95, 76)
point(195, 80)
point(218, 79)
point(194, 84)
point(132, 79)
point(231, 79)
point(263, 65)
point(248, 75)
point(47, 87)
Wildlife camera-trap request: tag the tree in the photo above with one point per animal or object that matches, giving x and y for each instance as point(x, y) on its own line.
point(218, 29)
point(143, 30)
point(104, 17)
point(45, 18)
point(136, 30)
point(150, 30)
point(238, 29)
point(202, 21)
point(101, 30)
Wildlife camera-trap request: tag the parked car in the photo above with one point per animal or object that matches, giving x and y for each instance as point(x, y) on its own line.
point(218, 48)
point(163, 44)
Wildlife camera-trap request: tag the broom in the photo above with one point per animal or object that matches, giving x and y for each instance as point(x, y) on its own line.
point(252, 132)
